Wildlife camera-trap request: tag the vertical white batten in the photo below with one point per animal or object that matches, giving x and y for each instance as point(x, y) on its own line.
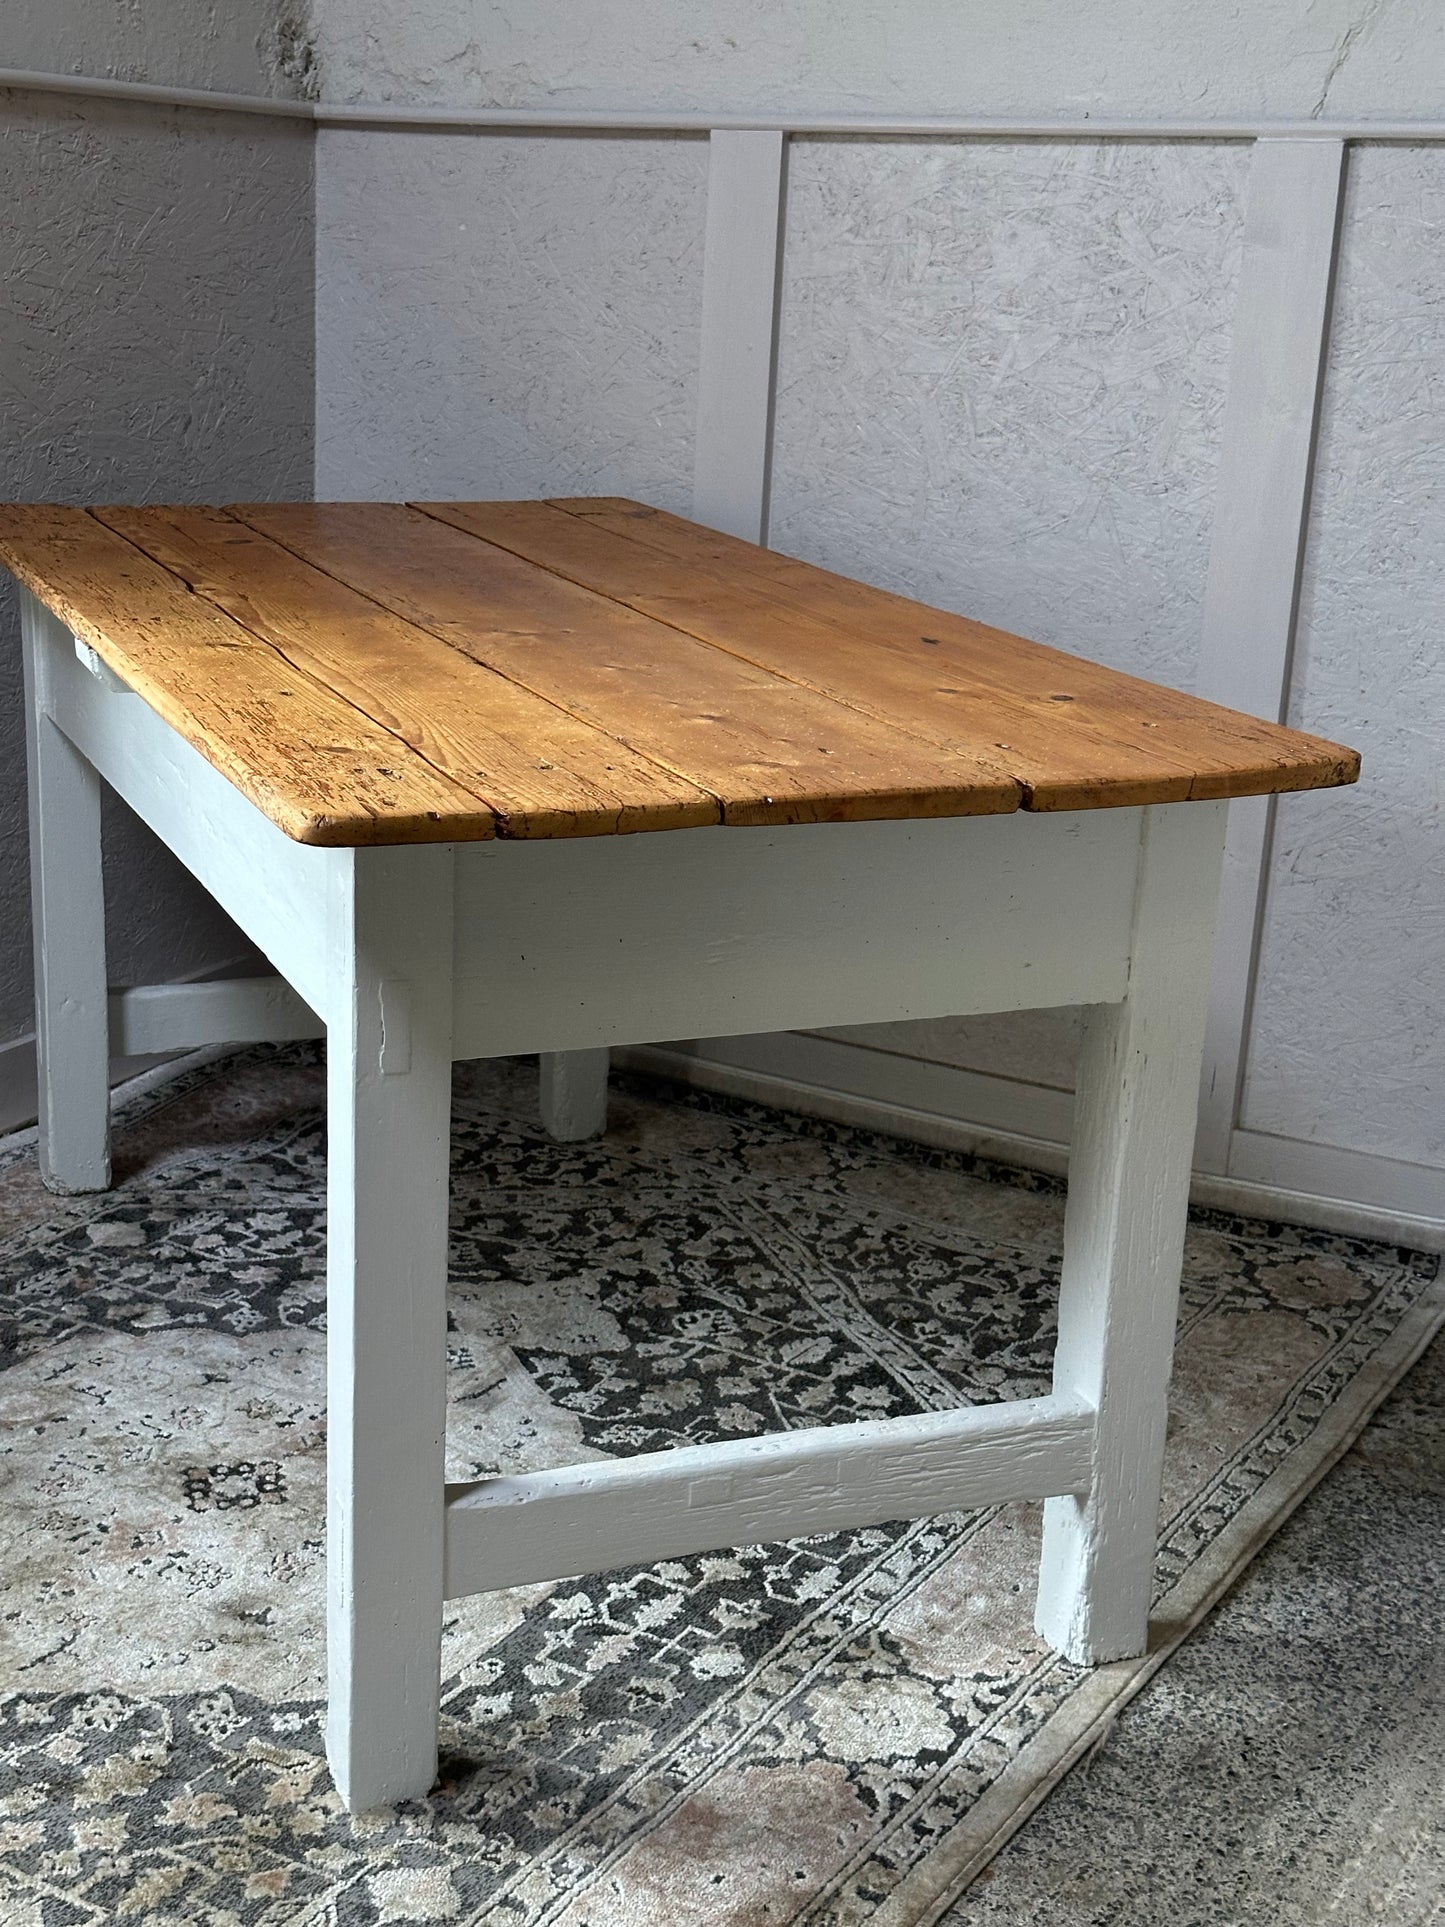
point(742, 255)
point(732, 457)
point(1261, 511)
point(67, 894)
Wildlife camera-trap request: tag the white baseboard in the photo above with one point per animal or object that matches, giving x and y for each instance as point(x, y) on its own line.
point(1284, 1179)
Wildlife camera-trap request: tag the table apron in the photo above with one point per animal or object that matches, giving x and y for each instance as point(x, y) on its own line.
point(718, 932)
point(582, 942)
point(285, 895)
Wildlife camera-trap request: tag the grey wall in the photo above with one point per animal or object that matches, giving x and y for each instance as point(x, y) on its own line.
point(1027, 57)
point(500, 316)
point(156, 303)
point(1002, 371)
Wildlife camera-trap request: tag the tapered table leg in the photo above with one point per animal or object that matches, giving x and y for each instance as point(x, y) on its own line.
point(389, 1105)
point(574, 1093)
point(1124, 1237)
point(67, 894)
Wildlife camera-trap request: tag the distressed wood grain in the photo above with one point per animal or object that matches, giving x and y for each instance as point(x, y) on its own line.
point(540, 770)
point(376, 673)
point(770, 749)
point(1074, 733)
point(322, 771)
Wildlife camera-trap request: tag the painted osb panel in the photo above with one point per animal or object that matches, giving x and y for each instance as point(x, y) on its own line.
point(155, 345)
point(1002, 368)
point(508, 316)
point(1002, 371)
point(1347, 1045)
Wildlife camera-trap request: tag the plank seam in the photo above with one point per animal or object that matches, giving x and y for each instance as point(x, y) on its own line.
point(661, 622)
point(1192, 786)
point(256, 788)
point(774, 594)
point(516, 682)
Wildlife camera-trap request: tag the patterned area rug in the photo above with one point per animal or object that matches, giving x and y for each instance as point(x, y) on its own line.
point(832, 1731)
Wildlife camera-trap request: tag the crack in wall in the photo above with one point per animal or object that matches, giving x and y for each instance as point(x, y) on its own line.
point(1350, 39)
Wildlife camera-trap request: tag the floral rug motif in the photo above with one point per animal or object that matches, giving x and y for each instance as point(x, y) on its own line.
point(831, 1731)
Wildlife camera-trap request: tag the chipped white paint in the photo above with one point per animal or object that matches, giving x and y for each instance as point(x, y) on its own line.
point(1124, 1239)
point(101, 670)
point(524, 1527)
point(418, 953)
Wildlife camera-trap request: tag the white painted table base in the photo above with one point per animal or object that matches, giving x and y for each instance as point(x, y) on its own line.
point(412, 957)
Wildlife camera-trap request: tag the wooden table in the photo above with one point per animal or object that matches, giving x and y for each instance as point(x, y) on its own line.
point(408, 747)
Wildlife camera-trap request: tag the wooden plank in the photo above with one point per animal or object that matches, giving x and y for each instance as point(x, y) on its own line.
point(737, 366)
point(1261, 511)
point(813, 651)
point(1124, 1242)
point(539, 770)
point(67, 899)
point(1075, 734)
point(772, 750)
point(312, 763)
point(523, 1528)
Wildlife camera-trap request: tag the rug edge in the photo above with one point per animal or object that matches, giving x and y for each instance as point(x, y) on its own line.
point(926, 1894)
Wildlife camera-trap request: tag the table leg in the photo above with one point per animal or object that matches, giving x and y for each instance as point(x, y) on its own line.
point(67, 894)
point(574, 1093)
point(389, 1065)
point(1123, 1240)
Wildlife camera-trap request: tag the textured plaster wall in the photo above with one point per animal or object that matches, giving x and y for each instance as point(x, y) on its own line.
point(508, 316)
point(239, 47)
point(155, 344)
point(1028, 57)
point(1348, 1046)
